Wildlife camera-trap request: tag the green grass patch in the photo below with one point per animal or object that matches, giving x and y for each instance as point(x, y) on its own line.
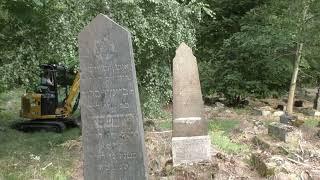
point(165, 125)
point(311, 122)
point(32, 155)
point(241, 111)
point(225, 125)
point(219, 132)
point(223, 142)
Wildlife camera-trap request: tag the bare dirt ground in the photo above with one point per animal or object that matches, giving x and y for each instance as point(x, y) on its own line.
point(297, 162)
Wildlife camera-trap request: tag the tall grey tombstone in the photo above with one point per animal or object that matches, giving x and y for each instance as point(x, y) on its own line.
point(112, 130)
point(190, 141)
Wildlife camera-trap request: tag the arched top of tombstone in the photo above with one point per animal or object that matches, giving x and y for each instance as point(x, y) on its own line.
point(101, 20)
point(184, 51)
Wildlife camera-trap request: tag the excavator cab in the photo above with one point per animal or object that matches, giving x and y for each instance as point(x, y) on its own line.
point(47, 108)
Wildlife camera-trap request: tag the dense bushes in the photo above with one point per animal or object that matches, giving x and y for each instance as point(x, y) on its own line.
point(40, 31)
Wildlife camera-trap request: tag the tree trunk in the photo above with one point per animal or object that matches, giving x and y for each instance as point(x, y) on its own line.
point(294, 77)
point(316, 102)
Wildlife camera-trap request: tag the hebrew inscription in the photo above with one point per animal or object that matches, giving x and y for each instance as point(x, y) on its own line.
point(113, 141)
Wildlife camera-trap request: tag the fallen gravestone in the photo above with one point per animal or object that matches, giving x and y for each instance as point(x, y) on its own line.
point(278, 113)
point(190, 142)
point(284, 132)
point(263, 111)
point(112, 131)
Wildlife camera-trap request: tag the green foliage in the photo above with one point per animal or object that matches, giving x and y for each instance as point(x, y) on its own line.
point(158, 27)
point(254, 57)
point(33, 32)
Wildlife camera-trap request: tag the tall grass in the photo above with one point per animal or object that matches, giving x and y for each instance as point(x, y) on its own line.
point(32, 155)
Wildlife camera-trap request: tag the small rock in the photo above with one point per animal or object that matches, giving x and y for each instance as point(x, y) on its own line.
point(258, 123)
point(221, 156)
point(283, 176)
point(219, 105)
point(259, 162)
point(168, 178)
point(315, 174)
point(313, 113)
point(287, 119)
point(261, 143)
point(149, 125)
point(278, 113)
point(265, 113)
point(228, 111)
point(266, 108)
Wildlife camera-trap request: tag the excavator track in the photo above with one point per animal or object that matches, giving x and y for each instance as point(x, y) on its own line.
point(40, 125)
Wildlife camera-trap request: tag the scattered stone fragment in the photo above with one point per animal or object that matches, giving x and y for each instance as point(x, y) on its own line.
point(261, 143)
point(219, 105)
point(168, 178)
point(149, 125)
point(316, 113)
point(287, 119)
point(196, 171)
point(263, 111)
point(267, 143)
point(315, 174)
point(278, 113)
point(259, 162)
point(313, 113)
point(283, 132)
point(291, 120)
point(284, 176)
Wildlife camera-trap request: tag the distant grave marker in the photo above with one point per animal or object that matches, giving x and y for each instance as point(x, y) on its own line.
point(190, 142)
point(113, 137)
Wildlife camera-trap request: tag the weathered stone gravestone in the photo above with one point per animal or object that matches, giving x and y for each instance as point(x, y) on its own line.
point(112, 131)
point(190, 142)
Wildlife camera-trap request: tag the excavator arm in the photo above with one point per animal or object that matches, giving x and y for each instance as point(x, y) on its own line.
point(67, 109)
point(73, 93)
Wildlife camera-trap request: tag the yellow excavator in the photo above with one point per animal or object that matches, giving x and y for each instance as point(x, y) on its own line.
point(46, 108)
